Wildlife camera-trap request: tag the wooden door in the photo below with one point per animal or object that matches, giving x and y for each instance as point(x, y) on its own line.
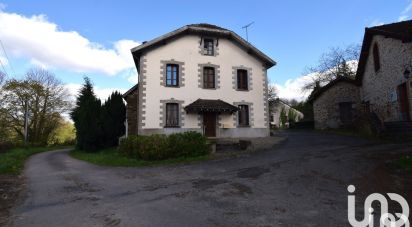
point(345, 112)
point(403, 103)
point(209, 123)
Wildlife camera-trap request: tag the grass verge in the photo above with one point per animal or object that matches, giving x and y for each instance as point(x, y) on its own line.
point(403, 164)
point(12, 161)
point(111, 157)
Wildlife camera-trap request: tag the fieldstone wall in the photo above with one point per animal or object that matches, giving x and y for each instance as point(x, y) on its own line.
point(132, 101)
point(326, 106)
point(380, 88)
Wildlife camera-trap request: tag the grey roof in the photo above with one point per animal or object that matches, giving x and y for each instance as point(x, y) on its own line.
point(130, 90)
point(205, 29)
point(400, 30)
point(210, 105)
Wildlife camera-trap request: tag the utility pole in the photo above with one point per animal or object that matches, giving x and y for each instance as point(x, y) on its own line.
point(26, 121)
point(245, 27)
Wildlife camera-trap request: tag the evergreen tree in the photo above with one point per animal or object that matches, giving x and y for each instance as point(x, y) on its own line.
point(86, 118)
point(113, 118)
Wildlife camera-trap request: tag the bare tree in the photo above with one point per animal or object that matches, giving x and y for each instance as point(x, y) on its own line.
point(46, 98)
point(336, 62)
point(272, 93)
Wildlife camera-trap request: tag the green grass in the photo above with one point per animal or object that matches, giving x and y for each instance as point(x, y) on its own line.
point(404, 163)
point(111, 157)
point(12, 162)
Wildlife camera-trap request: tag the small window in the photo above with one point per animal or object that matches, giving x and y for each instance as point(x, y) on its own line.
point(208, 48)
point(172, 115)
point(172, 75)
point(209, 77)
point(376, 58)
point(242, 82)
point(243, 115)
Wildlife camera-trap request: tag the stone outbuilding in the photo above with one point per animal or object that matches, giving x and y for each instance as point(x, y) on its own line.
point(383, 84)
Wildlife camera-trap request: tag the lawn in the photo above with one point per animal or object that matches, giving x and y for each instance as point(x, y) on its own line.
point(111, 157)
point(12, 162)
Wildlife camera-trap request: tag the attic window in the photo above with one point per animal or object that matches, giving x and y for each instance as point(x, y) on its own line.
point(376, 59)
point(208, 47)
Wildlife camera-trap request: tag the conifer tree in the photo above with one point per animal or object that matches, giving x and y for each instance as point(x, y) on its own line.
point(86, 117)
point(113, 118)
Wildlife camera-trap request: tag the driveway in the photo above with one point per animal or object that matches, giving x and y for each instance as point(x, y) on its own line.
point(301, 183)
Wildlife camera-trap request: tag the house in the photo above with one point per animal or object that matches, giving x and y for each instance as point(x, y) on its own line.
point(383, 84)
point(278, 107)
point(202, 78)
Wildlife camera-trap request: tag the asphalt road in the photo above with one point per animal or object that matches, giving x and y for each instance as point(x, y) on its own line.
point(301, 183)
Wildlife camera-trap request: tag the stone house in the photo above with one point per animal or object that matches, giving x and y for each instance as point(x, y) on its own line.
point(383, 83)
point(276, 107)
point(202, 78)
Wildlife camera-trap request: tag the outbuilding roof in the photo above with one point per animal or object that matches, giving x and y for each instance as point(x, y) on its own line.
point(316, 93)
point(401, 31)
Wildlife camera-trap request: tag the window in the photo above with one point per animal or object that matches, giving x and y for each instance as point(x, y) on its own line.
point(172, 75)
point(208, 77)
point(172, 115)
point(208, 47)
point(376, 59)
point(242, 82)
point(243, 115)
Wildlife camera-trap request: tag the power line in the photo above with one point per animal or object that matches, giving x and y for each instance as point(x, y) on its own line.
point(7, 57)
point(2, 65)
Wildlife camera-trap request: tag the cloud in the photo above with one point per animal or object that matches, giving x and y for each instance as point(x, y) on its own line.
point(376, 23)
point(402, 18)
point(292, 88)
point(133, 79)
point(45, 44)
point(405, 13)
point(101, 93)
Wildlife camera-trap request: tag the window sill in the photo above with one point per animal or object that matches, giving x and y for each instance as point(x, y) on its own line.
point(171, 126)
point(172, 86)
point(210, 88)
point(243, 126)
point(242, 90)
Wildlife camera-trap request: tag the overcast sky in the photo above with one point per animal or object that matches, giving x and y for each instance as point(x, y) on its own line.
point(93, 38)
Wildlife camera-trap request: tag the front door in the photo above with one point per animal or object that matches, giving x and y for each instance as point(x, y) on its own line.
point(209, 124)
point(403, 103)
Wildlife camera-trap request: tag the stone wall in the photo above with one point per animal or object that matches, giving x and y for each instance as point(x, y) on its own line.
point(326, 106)
point(380, 88)
point(132, 101)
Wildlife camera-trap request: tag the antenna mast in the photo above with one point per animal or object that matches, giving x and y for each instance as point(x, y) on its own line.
point(245, 27)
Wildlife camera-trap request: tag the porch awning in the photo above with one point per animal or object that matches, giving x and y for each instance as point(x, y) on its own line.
point(208, 105)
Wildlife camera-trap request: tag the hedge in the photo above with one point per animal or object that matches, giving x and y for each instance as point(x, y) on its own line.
point(160, 147)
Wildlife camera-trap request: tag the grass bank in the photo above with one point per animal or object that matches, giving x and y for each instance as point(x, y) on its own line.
point(404, 164)
point(12, 161)
point(111, 157)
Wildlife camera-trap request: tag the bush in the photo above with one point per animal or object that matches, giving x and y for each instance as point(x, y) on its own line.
point(159, 147)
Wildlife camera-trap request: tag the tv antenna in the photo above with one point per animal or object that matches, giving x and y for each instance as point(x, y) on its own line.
point(245, 27)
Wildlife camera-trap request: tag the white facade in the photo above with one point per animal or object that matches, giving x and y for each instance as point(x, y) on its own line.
point(186, 51)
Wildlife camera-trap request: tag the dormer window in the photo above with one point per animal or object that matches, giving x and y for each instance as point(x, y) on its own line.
point(208, 47)
point(376, 59)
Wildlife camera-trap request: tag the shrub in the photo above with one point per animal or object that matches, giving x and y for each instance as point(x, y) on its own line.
point(188, 144)
point(159, 147)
